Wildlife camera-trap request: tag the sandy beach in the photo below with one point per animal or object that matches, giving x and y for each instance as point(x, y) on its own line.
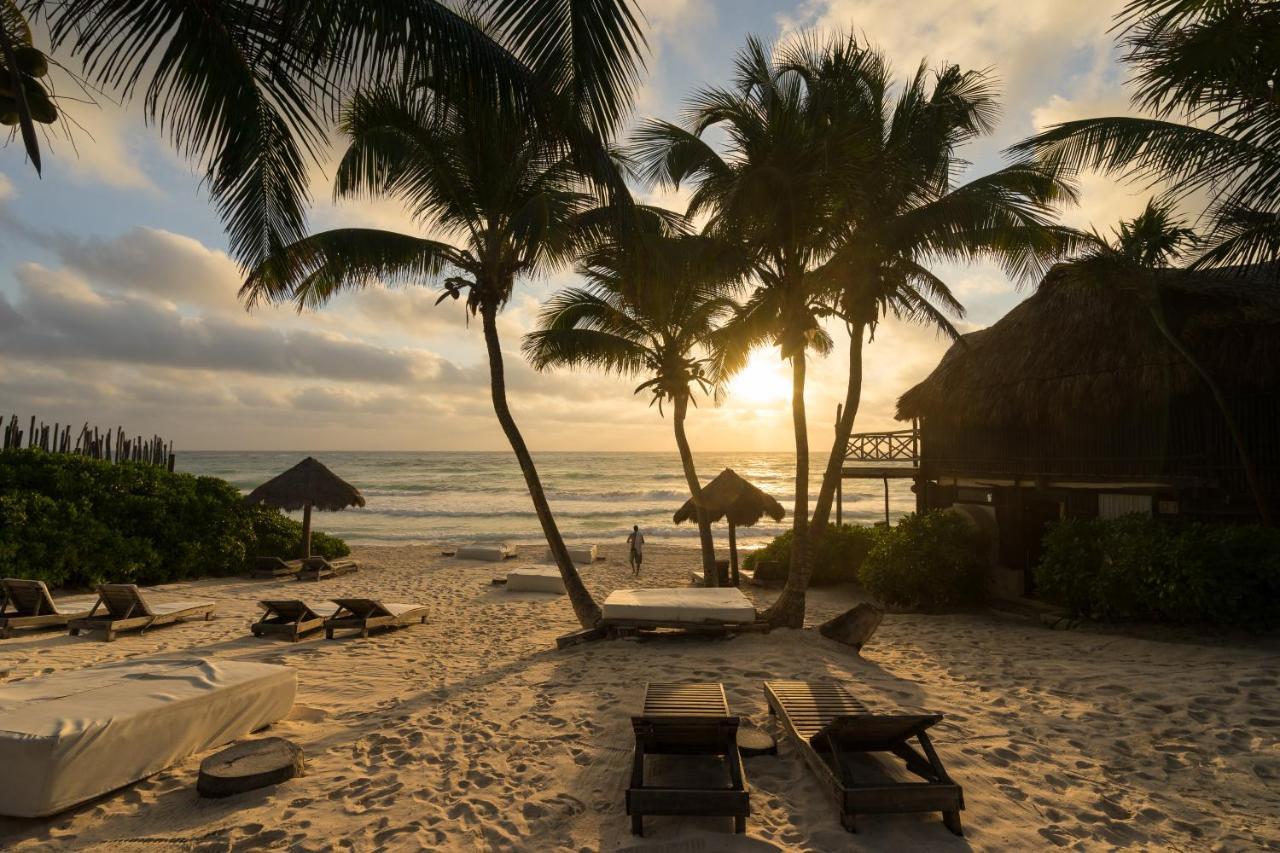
point(472, 732)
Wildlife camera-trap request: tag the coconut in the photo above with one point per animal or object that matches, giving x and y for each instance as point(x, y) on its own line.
point(31, 61)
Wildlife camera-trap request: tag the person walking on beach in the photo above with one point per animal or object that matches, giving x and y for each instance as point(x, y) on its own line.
point(635, 540)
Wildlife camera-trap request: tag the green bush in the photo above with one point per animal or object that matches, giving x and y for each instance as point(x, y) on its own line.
point(926, 562)
point(1138, 568)
point(838, 553)
point(77, 522)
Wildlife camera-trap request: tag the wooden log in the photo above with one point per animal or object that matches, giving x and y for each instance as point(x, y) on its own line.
point(854, 627)
point(249, 765)
point(584, 636)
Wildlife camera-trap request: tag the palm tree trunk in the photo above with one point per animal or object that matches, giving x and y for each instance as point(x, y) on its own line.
point(709, 574)
point(835, 462)
point(1242, 449)
point(788, 610)
point(584, 606)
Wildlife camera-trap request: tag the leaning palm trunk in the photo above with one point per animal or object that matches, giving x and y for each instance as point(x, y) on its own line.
point(584, 606)
point(710, 576)
point(788, 610)
point(1242, 449)
point(844, 428)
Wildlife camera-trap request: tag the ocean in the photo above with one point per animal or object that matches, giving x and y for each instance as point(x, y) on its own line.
point(454, 497)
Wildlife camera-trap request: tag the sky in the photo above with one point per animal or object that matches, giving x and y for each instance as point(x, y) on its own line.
point(118, 299)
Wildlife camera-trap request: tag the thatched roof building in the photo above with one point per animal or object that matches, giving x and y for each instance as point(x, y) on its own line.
point(1075, 405)
point(1077, 344)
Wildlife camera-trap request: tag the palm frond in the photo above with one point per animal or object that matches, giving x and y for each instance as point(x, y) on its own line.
point(314, 269)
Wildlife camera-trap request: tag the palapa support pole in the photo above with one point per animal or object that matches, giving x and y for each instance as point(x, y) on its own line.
point(886, 501)
point(733, 554)
point(306, 531)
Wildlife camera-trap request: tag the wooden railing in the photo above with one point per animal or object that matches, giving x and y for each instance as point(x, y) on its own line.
point(896, 446)
point(107, 445)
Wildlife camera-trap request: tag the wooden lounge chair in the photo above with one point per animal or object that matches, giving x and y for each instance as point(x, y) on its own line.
point(687, 719)
point(126, 610)
point(288, 617)
point(318, 568)
point(367, 614)
point(28, 604)
point(272, 568)
point(835, 733)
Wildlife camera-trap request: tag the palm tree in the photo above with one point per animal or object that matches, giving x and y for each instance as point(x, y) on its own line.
point(903, 211)
point(1206, 79)
point(508, 205)
point(1142, 247)
point(248, 88)
point(772, 191)
point(650, 307)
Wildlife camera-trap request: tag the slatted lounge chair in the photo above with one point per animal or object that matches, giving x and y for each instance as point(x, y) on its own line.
point(318, 568)
point(27, 604)
point(126, 610)
point(289, 618)
point(835, 733)
point(687, 719)
point(271, 568)
point(367, 614)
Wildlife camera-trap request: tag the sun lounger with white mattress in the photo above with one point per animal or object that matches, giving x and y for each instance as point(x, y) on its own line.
point(290, 618)
point(582, 555)
point(535, 579)
point(367, 614)
point(489, 553)
point(124, 609)
point(72, 736)
point(678, 608)
point(28, 604)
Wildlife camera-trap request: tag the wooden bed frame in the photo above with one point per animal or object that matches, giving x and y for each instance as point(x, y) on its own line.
point(687, 719)
point(830, 727)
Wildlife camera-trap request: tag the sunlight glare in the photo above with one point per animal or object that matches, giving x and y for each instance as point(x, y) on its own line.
point(765, 380)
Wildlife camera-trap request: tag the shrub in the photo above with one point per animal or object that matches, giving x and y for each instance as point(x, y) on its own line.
point(73, 521)
point(926, 562)
point(1138, 568)
point(838, 553)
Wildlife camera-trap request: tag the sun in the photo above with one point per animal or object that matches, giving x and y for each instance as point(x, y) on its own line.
point(765, 379)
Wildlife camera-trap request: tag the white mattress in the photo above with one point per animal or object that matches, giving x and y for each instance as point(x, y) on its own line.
point(535, 579)
point(724, 604)
point(164, 608)
point(400, 609)
point(70, 737)
point(492, 553)
point(580, 554)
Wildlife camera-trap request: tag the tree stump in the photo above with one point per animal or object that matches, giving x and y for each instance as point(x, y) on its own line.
point(249, 765)
point(855, 627)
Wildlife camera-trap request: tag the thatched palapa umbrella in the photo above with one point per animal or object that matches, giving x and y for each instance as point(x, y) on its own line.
point(307, 484)
point(730, 497)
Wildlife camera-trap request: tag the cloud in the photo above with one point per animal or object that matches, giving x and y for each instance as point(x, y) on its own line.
point(106, 144)
point(154, 262)
point(1029, 45)
point(62, 317)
